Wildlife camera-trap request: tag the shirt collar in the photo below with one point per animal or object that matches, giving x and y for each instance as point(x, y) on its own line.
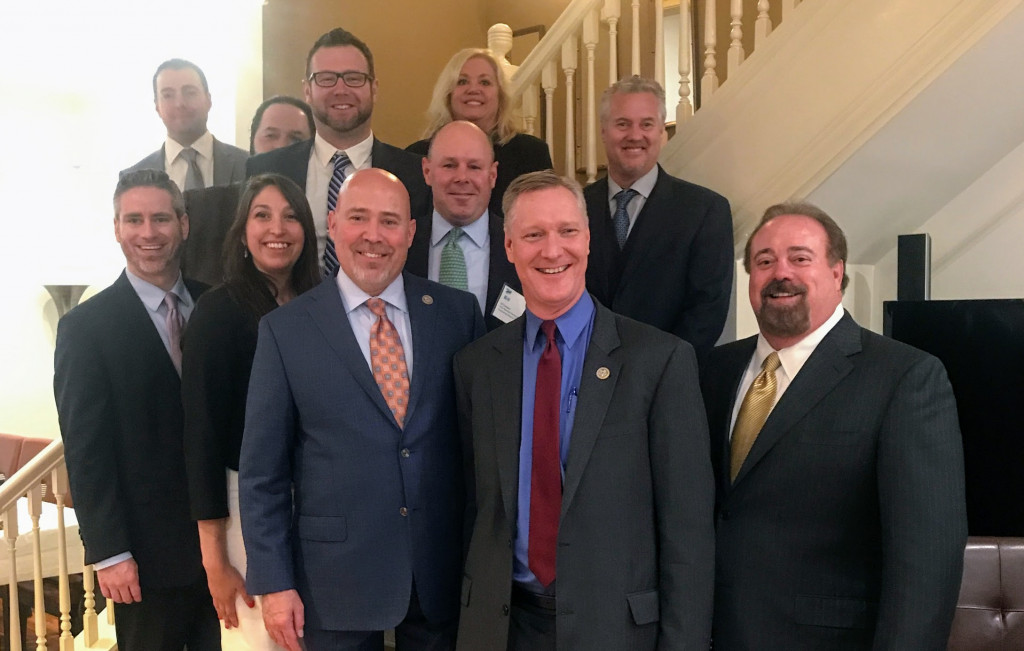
point(358, 154)
point(644, 185)
point(476, 230)
point(352, 297)
point(153, 297)
point(204, 146)
point(570, 325)
point(794, 357)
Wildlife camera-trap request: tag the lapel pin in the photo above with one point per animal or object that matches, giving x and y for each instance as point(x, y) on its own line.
point(428, 299)
point(603, 373)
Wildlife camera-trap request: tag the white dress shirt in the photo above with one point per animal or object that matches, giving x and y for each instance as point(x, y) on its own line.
point(791, 360)
point(318, 178)
point(177, 167)
point(476, 247)
point(362, 319)
point(644, 187)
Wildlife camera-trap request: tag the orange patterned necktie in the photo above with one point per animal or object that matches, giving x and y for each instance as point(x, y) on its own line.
point(387, 360)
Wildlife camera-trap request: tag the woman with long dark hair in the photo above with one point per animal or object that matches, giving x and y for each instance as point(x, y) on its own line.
point(269, 259)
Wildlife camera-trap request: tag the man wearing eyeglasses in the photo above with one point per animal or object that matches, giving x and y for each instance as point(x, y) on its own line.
point(341, 87)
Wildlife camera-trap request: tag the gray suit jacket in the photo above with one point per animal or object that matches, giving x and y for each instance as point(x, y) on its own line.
point(845, 527)
point(635, 539)
point(228, 163)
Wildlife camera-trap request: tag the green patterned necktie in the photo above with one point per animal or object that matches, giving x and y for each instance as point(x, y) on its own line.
point(453, 262)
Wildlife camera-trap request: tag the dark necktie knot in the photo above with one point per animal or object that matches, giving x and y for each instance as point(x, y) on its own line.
point(549, 328)
point(620, 220)
point(623, 197)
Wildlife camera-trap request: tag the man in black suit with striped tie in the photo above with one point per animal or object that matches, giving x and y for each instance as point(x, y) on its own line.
point(341, 88)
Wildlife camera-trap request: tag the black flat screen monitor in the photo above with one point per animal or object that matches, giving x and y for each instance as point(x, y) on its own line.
point(981, 343)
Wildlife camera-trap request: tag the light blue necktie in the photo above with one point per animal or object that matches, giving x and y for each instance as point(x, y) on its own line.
point(621, 217)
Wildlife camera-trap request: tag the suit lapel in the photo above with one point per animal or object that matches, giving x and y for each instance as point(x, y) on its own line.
point(328, 313)
point(221, 169)
point(505, 374)
point(720, 415)
point(645, 230)
point(423, 315)
point(824, 369)
point(595, 395)
point(500, 271)
point(417, 261)
point(141, 324)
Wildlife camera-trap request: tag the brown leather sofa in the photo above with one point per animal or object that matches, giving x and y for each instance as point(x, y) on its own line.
point(990, 611)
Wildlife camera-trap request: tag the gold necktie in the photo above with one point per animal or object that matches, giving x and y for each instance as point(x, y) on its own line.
point(757, 404)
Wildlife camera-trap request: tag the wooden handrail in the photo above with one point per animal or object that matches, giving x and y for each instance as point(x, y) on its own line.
point(550, 47)
point(33, 472)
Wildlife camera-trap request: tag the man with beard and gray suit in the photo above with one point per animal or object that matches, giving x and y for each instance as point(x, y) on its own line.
point(841, 520)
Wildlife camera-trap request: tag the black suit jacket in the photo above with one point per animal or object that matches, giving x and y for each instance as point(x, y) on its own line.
point(119, 406)
point(210, 213)
point(500, 270)
point(635, 537)
point(293, 162)
point(846, 525)
point(676, 269)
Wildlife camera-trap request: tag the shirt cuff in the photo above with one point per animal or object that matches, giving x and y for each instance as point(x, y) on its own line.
point(113, 560)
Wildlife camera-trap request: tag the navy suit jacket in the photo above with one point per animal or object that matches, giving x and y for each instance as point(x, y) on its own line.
point(375, 506)
point(228, 163)
point(845, 527)
point(500, 270)
point(119, 406)
point(676, 269)
point(293, 162)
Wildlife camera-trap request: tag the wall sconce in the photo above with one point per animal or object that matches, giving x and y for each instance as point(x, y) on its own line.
point(65, 297)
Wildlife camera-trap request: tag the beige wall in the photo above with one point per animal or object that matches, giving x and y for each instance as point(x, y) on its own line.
point(411, 41)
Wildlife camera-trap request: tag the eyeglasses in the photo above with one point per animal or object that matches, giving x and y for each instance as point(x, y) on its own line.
point(328, 79)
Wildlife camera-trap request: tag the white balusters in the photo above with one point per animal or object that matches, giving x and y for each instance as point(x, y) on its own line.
point(90, 625)
point(35, 509)
point(549, 82)
point(685, 108)
point(709, 82)
point(610, 15)
point(636, 38)
point(569, 65)
point(14, 635)
point(499, 41)
point(59, 483)
point(590, 36)
point(736, 53)
point(763, 24)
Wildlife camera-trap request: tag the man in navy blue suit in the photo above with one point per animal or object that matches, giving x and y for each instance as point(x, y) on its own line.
point(350, 478)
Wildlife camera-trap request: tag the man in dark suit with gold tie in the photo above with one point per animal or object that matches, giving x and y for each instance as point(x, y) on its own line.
point(841, 520)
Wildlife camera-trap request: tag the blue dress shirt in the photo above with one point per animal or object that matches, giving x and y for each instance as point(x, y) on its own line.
point(573, 338)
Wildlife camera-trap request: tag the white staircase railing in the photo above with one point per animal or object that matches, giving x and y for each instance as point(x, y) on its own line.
point(578, 30)
point(22, 495)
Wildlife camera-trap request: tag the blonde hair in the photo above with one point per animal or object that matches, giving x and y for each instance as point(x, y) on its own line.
point(439, 113)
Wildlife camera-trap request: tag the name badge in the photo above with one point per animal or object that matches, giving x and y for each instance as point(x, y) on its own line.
point(509, 306)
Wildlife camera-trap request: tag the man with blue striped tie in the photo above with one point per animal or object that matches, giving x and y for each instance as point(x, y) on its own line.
point(341, 88)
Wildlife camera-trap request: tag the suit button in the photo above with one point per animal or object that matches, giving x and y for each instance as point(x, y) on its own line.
point(510, 543)
point(403, 511)
point(724, 515)
point(405, 453)
point(504, 609)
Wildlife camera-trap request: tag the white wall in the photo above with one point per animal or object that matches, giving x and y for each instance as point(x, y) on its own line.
point(977, 240)
point(77, 107)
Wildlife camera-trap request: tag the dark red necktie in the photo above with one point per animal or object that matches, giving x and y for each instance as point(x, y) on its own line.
point(546, 474)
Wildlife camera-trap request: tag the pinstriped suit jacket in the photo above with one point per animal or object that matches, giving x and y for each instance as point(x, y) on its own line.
point(845, 527)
